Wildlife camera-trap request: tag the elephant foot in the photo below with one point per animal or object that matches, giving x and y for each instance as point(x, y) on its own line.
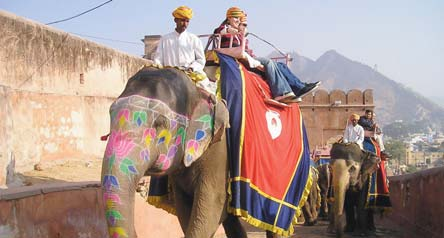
point(310, 223)
point(331, 230)
point(360, 234)
point(349, 229)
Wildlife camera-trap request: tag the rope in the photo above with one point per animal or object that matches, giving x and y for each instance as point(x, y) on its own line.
point(280, 51)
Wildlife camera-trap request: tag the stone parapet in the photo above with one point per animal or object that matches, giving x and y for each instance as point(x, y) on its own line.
point(325, 113)
point(74, 210)
point(418, 201)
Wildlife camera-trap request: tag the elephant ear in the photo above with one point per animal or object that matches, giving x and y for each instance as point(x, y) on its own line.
point(221, 121)
point(201, 127)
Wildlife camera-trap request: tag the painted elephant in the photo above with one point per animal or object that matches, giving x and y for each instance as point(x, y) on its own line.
point(324, 185)
point(351, 168)
point(162, 124)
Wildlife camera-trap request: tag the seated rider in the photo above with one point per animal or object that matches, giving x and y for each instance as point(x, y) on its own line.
point(284, 85)
point(184, 50)
point(354, 132)
point(368, 123)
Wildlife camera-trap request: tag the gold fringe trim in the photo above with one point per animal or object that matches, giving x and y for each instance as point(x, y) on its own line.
point(265, 226)
point(162, 203)
point(218, 83)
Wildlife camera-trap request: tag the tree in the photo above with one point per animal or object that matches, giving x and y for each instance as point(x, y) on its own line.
point(397, 149)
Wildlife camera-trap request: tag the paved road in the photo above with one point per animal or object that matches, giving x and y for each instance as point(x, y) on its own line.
point(384, 229)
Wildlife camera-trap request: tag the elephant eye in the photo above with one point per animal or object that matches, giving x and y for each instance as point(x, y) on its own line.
point(352, 169)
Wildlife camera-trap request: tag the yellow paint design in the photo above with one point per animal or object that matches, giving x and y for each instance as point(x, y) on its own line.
point(148, 141)
point(121, 121)
point(166, 134)
point(118, 230)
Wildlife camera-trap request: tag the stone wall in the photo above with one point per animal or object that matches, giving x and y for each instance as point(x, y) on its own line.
point(418, 202)
point(55, 92)
point(74, 210)
point(325, 114)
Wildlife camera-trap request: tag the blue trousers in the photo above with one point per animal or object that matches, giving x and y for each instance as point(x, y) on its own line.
point(280, 79)
point(295, 83)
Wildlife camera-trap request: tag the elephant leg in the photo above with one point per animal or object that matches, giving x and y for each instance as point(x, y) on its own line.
point(183, 206)
point(210, 193)
point(233, 228)
point(308, 216)
point(365, 216)
point(207, 214)
point(270, 234)
point(349, 206)
point(314, 208)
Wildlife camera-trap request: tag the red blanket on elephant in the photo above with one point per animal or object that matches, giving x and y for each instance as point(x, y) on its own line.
point(268, 152)
point(378, 194)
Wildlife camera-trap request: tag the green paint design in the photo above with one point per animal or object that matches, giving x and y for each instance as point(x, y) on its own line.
point(139, 115)
point(114, 213)
point(181, 131)
point(112, 160)
point(206, 119)
point(127, 167)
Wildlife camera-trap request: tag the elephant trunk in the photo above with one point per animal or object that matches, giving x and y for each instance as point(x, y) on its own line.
point(340, 183)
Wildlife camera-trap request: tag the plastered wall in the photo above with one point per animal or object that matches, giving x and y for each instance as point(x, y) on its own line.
point(55, 92)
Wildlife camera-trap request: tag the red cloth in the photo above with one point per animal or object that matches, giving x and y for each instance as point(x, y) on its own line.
point(262, 153)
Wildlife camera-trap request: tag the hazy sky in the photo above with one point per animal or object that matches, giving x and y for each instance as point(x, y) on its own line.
point(404, 38)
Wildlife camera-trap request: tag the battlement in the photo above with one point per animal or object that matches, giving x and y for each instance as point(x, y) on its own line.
point(325, 114)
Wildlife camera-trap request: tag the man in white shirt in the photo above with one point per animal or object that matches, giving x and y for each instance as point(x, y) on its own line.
point(184, 50)
point(354, 132)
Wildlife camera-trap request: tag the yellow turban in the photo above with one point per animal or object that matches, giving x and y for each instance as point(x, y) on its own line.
point(354, 116)
point(243, 19)
point(183, 12)
point(234, 12)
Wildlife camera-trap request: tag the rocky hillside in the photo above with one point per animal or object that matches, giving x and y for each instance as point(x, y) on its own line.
point(393, 100)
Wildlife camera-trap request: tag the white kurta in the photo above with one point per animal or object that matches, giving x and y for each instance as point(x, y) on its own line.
point(181, 50)
point(354, 134)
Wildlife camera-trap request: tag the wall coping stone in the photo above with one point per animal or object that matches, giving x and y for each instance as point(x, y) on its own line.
point(34, 190)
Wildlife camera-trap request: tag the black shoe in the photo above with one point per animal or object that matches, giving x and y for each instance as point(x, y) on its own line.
point(309, 87)
point(315, 83)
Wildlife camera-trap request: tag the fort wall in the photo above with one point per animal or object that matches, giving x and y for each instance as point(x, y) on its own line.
point(55, 93)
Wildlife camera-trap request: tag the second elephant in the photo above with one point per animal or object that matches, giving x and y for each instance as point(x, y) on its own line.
point(351, 168)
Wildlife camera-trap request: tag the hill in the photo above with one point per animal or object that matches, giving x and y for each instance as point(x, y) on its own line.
point(393, 100)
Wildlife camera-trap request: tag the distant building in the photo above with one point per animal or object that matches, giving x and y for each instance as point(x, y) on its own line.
point(423, 158)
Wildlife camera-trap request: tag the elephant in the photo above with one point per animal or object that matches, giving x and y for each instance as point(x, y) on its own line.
point(351, 168)
point(311, 206)
point(324, 183)
point(162, 124)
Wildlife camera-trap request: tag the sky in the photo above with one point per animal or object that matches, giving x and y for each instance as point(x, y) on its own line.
point(403, 38)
